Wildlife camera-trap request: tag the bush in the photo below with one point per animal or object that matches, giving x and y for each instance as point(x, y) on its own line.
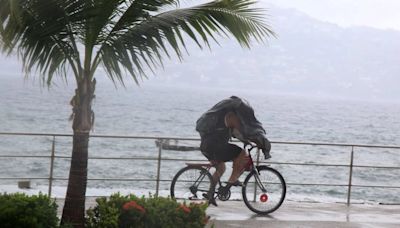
point(131, 211)
point(20, 210)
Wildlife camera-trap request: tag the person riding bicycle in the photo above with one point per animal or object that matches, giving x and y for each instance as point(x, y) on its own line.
point(232, 117)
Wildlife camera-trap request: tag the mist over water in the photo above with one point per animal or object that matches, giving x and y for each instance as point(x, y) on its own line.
point(167, 110)
point(314, 61)
point(155, 110)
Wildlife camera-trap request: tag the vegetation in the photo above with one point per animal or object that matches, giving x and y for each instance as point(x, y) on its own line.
point(131, 211)
point(72, 38)
point(20, 210)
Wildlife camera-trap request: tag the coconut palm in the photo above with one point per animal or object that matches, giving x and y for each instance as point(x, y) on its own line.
point(72, 38)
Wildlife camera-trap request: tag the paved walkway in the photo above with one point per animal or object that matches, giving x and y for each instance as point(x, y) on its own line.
point(299, 214)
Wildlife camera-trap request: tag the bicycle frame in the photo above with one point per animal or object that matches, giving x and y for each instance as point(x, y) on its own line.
point(255, 170)
point(195, 186)
point(203, 182)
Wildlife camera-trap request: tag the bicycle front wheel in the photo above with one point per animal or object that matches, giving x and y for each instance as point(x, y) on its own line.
point(271, 198)
point(191, 183)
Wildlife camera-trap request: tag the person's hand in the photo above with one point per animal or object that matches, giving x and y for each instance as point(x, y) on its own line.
point(266, 154)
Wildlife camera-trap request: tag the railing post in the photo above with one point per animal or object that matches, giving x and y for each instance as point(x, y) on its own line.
point(53, 145)
point(159, 166)
point(350, 176)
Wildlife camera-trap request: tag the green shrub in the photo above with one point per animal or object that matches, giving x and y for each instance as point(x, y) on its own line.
point(20, 210)
point(131, 211)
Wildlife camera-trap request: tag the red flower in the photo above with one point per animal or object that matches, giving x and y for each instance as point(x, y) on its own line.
point(184, 208)
point(133, 205)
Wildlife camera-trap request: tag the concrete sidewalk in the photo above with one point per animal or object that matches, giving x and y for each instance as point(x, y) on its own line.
point(300, 214)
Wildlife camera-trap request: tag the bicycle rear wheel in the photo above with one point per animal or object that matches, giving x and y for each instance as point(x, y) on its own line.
point(268, 201)
point(191, 183)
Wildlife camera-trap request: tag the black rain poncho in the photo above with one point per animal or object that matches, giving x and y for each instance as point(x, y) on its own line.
point(252, 130)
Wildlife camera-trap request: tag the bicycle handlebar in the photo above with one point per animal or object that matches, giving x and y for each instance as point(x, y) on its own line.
point(252, 146)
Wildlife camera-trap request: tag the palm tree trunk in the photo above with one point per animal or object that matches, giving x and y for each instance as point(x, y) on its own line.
point(74, 207)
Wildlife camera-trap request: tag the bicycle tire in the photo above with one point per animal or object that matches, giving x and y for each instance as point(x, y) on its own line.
point(264, 203)
point(180, 188)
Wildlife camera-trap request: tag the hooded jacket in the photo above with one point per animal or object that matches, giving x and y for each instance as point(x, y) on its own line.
point(252, 130)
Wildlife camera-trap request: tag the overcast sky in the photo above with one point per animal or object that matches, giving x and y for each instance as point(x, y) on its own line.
point(384, 14)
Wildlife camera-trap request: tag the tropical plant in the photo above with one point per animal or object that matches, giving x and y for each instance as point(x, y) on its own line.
point(74, 37)
point(20, 210)
point(131, 211)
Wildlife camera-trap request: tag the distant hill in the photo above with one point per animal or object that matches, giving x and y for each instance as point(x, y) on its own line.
point(308, 57)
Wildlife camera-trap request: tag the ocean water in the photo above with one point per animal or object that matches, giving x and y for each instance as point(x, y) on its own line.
point(155, 110)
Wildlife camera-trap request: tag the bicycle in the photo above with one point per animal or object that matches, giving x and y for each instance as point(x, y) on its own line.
point(263, 189)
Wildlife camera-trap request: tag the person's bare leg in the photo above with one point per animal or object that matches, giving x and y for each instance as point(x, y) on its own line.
point(239, 163)
point(219, 171)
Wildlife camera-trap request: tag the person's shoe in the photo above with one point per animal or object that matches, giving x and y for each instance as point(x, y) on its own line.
point(211, 200)
point(194, 197)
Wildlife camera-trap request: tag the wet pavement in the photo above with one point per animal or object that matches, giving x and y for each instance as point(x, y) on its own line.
point(301, 214)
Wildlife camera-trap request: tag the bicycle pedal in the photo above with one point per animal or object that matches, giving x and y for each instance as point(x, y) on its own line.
point(205, 195)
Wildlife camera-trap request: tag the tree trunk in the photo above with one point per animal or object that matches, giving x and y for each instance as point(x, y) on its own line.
point(74, 207)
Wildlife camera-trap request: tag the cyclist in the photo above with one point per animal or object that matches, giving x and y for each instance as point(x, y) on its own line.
point(232, 117)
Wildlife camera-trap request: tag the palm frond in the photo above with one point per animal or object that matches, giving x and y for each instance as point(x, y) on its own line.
point(138, 11)
point(146, 40)
point(129, 36)
point(41, 32)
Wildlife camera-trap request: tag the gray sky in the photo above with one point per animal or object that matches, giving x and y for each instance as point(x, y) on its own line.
point(384, 14)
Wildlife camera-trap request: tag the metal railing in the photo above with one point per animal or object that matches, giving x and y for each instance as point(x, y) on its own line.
point(159, 160)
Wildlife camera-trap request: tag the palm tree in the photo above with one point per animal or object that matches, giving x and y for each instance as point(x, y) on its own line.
point(74, 37)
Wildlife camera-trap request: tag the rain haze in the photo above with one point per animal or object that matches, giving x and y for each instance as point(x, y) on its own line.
point(371, 13)
point(334, 49)
point(330, 75)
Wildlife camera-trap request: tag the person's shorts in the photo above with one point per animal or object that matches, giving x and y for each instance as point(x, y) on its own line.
point(217, 151)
